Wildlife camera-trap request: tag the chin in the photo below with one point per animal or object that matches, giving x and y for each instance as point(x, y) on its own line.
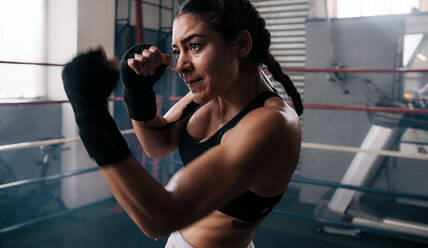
point(199, 98)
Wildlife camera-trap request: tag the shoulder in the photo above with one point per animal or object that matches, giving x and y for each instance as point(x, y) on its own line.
point(176, 111)
point(276, 118)
point(265, 144)
point(272, 132)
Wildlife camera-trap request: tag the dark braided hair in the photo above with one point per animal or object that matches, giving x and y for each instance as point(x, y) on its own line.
point(229, 18)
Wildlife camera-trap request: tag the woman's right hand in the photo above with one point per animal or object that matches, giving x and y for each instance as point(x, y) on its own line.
point(140, 68)
point(146, 62)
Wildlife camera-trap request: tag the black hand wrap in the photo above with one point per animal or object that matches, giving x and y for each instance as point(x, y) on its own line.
point(88, 81)
point(140, 99)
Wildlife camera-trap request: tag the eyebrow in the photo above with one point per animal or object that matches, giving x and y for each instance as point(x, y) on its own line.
point(189, 37)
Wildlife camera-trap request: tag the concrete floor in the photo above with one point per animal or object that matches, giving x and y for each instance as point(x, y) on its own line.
point(102, 225)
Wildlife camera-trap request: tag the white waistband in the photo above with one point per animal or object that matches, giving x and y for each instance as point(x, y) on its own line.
point(176, 240)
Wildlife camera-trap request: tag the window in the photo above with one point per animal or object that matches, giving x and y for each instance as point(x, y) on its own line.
point(21, 39)
point(415, 85)
point(357, 8)
point(411, 43)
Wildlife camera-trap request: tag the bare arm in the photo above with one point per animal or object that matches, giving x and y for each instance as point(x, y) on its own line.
point(141, 67)
point(195, 190)
point(158, 141)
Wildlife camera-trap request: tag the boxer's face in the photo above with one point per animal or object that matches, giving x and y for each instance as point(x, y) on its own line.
point(207, 63)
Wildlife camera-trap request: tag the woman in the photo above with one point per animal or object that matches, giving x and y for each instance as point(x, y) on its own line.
point(238, 140)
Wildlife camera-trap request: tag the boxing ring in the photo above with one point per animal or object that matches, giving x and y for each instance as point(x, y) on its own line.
point(326, 215)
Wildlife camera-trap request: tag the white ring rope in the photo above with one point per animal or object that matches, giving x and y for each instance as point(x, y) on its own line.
point(324, 147)
point(32, 144)
point(388, 153)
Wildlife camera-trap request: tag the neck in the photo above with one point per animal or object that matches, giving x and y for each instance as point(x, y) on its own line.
point(248, 85)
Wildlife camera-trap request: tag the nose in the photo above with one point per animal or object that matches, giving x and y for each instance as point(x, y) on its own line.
point(184, 65)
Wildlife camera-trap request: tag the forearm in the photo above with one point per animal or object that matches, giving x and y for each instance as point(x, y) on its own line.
point(156, 141)
point(88, 81)
point(143, 198)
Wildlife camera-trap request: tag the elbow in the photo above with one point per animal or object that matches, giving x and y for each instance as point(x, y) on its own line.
point(158, 153)
point(154, 154)
point(160, 223)
point(152, 234)
point(151, 229)
point(158, 230)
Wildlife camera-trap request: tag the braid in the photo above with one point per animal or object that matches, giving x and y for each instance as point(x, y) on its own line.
point(275, 68)
point(260, 53)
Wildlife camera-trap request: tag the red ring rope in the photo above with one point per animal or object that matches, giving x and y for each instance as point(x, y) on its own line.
point(353, 70)
point(309, 106)
point(306, 70)
point(306, 105)
point(362, 108)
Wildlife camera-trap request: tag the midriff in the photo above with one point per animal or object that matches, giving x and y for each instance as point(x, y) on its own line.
point(220, 230)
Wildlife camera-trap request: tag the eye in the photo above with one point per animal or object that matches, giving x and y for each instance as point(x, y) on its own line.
point(195, 46)
point(176, 53)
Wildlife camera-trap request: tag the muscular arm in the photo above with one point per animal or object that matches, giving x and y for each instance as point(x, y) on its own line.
point(141, 67)
point(264, 143)
point(157, 141)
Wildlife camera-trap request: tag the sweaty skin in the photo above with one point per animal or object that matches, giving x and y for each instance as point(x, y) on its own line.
point(260, 153)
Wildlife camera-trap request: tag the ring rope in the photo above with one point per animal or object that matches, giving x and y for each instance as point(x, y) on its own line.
point(315, 146)
point(326, 147)
point(297, 69)
point(32, 144)
point(29, 63)
point(363, 108)
point(342, 223)
point(295, 179)
point(46, 179)
point(354, 70)
point(324, 183)
point(40, 102)
point(306, 105)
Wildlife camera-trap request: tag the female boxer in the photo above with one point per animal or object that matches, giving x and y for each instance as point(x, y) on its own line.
point(239, 141)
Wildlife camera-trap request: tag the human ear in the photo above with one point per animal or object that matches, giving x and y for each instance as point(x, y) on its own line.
point(245, 43)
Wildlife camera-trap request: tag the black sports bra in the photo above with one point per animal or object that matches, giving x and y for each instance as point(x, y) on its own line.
point(248, 206)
